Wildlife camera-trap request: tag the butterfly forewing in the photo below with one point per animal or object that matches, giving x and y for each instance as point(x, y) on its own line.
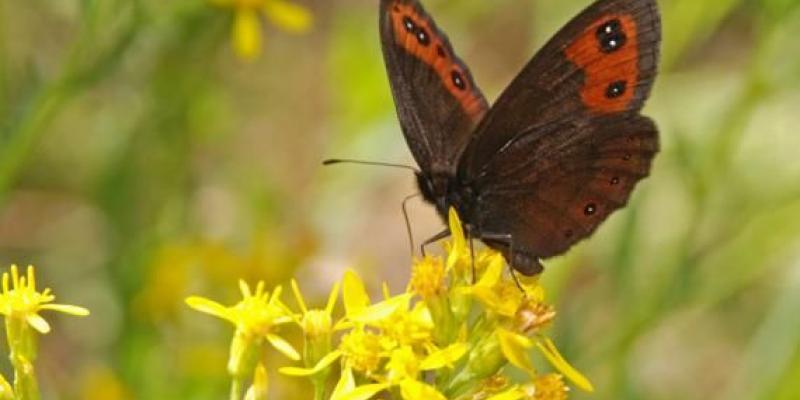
point(603, 62)
point(437, 101)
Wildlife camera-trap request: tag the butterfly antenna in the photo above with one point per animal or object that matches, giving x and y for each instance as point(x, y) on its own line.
point(334, 161)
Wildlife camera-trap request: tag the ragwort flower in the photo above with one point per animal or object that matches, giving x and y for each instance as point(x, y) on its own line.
point(248, 14)
point(20, 304)
point(256, 317)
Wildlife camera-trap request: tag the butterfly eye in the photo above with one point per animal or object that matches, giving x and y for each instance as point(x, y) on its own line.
point(611, 36)
point(616, 89)
point(409, 24)
point(458, 80)
point(422, 37)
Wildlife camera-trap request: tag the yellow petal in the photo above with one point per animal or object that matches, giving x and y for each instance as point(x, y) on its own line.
point(515, 348)
point(37, 322)
point(298, 297)
point(416, 390)
point(444, 357)
point(247, 34)
point(207, 306)
point(355, 296)
point(345, 384)
point(283, 346)
point(287, 16)
point(325, 362)
point(332, 299)
point(244, 288)
point(258, 390)
point(511, 394)
point(6, 393)
point(381, 311)
point(67, 309)
point(459, 242)
point(365, 392)
point(548, 348)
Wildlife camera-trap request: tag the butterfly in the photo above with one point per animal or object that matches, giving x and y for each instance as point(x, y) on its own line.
point(562, 147)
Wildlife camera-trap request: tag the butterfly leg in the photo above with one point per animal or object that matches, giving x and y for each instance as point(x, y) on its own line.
point(439, 236)
point(408, 222)
point(517, 261)
point(472, 259)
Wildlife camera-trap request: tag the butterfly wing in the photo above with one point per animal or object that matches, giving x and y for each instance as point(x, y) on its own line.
point(565, 145)
point(437, 101)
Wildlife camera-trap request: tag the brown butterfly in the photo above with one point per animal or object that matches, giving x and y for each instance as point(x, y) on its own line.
point(560, 150)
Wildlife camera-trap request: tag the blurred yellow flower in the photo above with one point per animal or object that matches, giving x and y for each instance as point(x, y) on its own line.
point(102, 383)
point(247, 25)
point(21, 301)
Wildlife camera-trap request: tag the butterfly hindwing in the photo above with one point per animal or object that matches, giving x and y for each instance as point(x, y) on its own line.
point(565, 145)
point(437, 101)
point(563, 200)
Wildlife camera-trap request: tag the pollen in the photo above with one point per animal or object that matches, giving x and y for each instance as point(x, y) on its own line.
point(428, 277)
point(550, 387)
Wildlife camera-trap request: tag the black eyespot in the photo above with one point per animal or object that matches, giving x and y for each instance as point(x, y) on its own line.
point(409, 24)
point(626, 157)
point(610, 36)
point(440, 51)
point(590, 209)
point(615, 181)
point(569, 233)
point(458, 80)
point(422, 37)
point(616, 89)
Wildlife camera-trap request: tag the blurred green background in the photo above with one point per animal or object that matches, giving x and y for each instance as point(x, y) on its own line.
point(141, 161)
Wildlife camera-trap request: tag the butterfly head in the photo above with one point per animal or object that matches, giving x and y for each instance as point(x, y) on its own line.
point(433, 188)
point(444, 191)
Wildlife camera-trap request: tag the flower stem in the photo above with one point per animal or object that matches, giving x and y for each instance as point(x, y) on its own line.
point(319, 389)
point(237, 389)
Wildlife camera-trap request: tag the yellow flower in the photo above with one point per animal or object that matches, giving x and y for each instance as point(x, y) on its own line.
point(428, 277)
point(256, 318)
point(364, 351)
point(247, 27)
point(256, 315)
point(497, 295)
point(21, 301)
point(317, 328)
point(550, 387)
point(534, 315)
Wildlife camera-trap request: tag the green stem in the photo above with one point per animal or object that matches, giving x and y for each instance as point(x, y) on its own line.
point(22, 348)
point(24, 137)
point(319, 389)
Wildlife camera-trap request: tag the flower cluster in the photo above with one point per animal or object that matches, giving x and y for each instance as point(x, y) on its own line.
point(457, 332)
